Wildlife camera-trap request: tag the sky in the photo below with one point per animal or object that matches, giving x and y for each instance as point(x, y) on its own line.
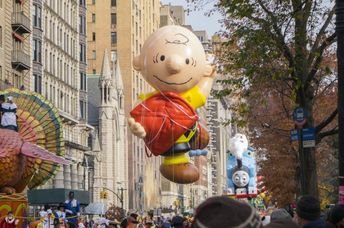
point(197, 19)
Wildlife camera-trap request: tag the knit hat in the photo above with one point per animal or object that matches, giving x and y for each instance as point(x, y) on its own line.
point(337, 214)
point(282, 223)
point(308, 208)
point(221, 211)
point(280, 213)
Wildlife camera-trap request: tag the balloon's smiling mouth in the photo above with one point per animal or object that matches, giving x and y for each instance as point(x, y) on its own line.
point(172, 83)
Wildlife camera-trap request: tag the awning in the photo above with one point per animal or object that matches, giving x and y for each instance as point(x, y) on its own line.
point(56, 196)
point(96, 209)
point(18, 37)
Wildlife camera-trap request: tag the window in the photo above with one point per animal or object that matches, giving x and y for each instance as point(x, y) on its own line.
point(82, 2)
point(82, 111)
point(113, 37)
point(0, 69)
point(82, 53)
point(37, 81)
point(113, 3)
point(113, 56)
point(94, 55)
point(37, 50)
point(93, 2)
point(82, 81)
point(94, 71)
point(0, 35)
point(82, 25)
point(113, 19)
point(0, 3)
point(93, 17)
point(37, 16)
point(93, 36)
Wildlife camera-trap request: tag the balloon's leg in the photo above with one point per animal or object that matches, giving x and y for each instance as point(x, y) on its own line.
point(201, 139)
point(178, 169)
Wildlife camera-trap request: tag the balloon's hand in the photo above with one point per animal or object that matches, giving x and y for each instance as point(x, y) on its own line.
point(213, 71)
point(136, 128)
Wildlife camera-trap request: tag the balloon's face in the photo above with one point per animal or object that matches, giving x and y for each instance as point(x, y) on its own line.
point(240, 178)
point(172, 59)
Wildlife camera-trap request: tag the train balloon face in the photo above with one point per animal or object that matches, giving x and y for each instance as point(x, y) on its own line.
point(241, 175)
point(240, 178)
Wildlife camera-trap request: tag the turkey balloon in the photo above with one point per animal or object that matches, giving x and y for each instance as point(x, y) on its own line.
point(31, 156)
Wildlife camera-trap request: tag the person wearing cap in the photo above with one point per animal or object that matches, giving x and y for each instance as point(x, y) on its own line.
point(61, 216)
point(9, 118)
point(47, 218)
point(221, 211)
point(308, 212)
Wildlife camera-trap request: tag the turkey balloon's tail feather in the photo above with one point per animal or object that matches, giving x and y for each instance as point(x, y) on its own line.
point(39, 123)
point(47, 170)
point(45, 164)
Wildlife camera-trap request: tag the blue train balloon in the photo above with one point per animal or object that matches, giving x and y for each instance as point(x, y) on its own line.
point(241, 169)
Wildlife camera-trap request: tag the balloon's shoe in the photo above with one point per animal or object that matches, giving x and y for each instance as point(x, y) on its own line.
point(178, 169)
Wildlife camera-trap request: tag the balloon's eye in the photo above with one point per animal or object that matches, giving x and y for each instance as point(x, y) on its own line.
point(187, 61)
point(162, 58)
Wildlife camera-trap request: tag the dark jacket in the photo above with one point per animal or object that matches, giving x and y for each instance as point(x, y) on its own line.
point(315, 224)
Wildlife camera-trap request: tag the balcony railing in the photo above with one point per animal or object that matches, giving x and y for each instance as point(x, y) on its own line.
point(20, 23)
point(20, 60)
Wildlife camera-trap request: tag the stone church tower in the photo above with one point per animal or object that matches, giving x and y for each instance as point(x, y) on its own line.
point(111, 171)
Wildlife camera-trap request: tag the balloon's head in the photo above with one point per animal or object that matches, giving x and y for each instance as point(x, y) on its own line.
point(172, 59)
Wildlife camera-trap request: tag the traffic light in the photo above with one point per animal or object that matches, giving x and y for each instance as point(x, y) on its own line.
point(103, 195)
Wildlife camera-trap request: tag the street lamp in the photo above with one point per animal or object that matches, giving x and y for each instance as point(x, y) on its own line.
point(120, 198)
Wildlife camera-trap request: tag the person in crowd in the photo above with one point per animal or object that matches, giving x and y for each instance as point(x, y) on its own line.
point(282, 223)
point(177, 221)
point(336, 217)
point(166, 223)
point(72, 208)
point(9, 221)
point(60, 215)
point(48, 221)
point(308, 212)
point(9, 117)
point(221, 211)
point(279, 214)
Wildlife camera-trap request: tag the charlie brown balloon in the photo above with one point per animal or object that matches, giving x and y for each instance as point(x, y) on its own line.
point(173, 62)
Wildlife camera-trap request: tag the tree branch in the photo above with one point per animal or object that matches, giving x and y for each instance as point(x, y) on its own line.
point(322, 135)
point(326, 121)
point(320, 34)
point(278, 37)
point(329, 40)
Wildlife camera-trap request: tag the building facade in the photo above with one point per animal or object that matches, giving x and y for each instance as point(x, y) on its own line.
point(121, 27)
point(59, 74)
point(15, 46)
point(106, 115)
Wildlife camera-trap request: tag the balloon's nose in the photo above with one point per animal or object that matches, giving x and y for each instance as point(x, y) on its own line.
point(174, 64)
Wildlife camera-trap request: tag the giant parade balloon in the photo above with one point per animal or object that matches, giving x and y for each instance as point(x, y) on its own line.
point(173, 62)
point(32, 150)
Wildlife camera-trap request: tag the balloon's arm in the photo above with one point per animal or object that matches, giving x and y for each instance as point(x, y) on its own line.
point(136, 128)
point(206, 82)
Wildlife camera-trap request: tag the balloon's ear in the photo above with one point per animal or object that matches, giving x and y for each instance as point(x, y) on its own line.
point(136, 62)
point(208, 71)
